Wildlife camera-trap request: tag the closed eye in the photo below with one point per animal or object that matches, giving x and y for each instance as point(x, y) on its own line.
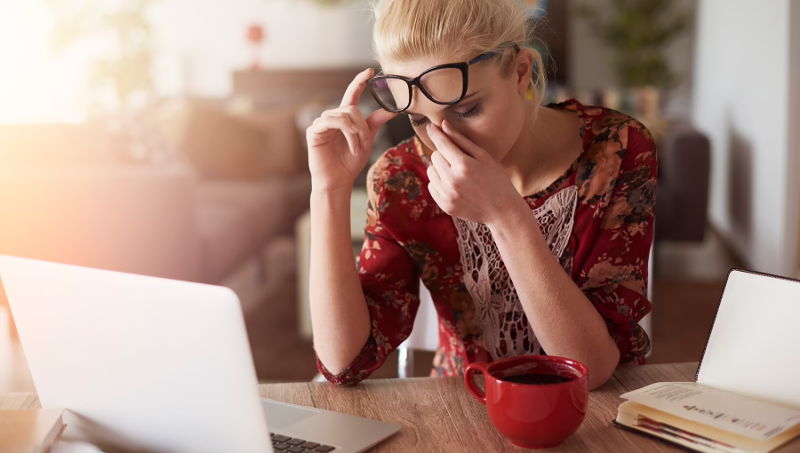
point(421, 121)
point(475, 110)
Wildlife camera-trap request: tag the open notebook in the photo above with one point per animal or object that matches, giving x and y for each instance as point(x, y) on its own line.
point(747, 391)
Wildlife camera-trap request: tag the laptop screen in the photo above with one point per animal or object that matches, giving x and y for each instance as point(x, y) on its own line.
point(753, 346)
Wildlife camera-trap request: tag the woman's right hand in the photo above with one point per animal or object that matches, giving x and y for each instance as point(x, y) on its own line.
point(340, 140)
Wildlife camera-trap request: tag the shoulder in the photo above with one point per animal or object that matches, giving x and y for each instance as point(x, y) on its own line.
point(610, 132)
point(618, 148)
point(604, 126)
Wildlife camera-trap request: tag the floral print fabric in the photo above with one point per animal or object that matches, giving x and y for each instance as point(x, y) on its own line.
point(408, 239)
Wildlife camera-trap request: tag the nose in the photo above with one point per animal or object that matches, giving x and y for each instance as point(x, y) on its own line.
point(421, 105)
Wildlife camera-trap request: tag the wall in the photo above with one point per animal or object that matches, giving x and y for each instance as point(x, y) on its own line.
point(742, 89)
point(197, 46)
point(793, 185)
point(590, 58)
point(201, 42)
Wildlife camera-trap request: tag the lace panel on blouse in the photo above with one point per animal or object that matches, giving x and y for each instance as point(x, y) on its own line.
point(506, 331)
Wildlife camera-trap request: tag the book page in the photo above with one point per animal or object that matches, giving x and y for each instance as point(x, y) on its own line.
point(729, 411)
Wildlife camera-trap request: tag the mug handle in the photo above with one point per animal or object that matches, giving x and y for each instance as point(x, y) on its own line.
point(469, 380)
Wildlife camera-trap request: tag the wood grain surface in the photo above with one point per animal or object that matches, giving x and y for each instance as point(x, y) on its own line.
point(439, 415)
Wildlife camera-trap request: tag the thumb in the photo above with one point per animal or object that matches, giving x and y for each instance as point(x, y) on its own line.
point(378, 118)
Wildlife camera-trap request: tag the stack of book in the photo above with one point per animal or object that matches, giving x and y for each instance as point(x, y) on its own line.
point(708, 419)
point(746, 397)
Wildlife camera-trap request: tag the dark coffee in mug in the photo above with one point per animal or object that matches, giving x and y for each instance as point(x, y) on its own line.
point(536, 415)
point(537, 378)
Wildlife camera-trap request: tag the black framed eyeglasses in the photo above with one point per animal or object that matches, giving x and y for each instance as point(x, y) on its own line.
point(444, 84)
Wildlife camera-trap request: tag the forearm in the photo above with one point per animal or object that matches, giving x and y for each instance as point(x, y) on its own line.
point(339, 316)
point(562, 317)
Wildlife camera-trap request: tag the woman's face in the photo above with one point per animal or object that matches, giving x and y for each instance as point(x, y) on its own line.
point(491, 114)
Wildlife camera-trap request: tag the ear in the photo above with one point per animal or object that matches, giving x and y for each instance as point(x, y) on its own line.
point(523, 70)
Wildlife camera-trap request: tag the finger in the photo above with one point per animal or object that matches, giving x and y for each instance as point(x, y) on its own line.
point(324, 125)
point(440, 163)
point(378, 118)
point(434, 186)
point(454, 155)
point(433, 174)
point(440, 182)
point(353, 93)
point(464, 143)
point(364, 131)
point(355, 120)
point(434, 195)
point(438, 198)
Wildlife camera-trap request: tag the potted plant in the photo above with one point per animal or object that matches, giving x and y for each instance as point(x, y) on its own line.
point(638, 32)
point(125, 71)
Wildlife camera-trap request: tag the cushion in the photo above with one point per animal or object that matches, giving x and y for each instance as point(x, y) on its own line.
point(224, 145)
point(255, 211)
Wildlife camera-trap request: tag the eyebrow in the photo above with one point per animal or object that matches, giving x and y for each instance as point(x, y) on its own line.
point(408, 112)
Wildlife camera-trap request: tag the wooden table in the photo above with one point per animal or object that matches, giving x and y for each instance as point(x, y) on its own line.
point(437, 414)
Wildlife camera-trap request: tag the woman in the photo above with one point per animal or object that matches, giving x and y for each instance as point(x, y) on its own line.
point(530, 225)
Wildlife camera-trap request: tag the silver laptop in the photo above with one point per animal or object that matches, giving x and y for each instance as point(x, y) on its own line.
point(150, 364)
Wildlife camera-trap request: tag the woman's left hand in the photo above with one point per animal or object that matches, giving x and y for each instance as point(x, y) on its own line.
point(466, 181)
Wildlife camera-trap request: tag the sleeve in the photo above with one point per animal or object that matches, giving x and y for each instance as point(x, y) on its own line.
point(389, 279)
point(614, 276)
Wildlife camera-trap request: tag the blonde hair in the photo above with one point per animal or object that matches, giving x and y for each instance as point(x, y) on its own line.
point(461, 29)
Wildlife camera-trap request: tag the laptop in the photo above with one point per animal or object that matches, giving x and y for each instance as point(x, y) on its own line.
point(155, 365)
point(752, 347)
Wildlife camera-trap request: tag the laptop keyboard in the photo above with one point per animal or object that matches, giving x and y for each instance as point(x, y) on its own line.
point(294, 445)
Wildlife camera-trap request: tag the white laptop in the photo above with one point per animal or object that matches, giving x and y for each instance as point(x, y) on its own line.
point(752, 347)
point(156, 365)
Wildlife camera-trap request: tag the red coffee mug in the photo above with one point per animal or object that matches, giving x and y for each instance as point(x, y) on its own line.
point(533, 415)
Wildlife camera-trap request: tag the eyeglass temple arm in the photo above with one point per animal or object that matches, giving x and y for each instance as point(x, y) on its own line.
point(490, 54)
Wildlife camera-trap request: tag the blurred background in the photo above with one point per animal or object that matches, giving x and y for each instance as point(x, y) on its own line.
point(166, 137)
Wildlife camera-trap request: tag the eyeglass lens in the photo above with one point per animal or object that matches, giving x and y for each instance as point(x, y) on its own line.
point(443, 85)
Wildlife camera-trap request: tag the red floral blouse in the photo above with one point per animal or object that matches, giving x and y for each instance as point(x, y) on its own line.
point(597, 219)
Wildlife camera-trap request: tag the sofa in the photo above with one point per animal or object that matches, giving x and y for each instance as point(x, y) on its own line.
point(684, 179)
point(208, 207)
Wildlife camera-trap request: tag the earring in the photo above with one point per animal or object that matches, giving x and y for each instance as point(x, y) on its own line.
point(530, 94)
